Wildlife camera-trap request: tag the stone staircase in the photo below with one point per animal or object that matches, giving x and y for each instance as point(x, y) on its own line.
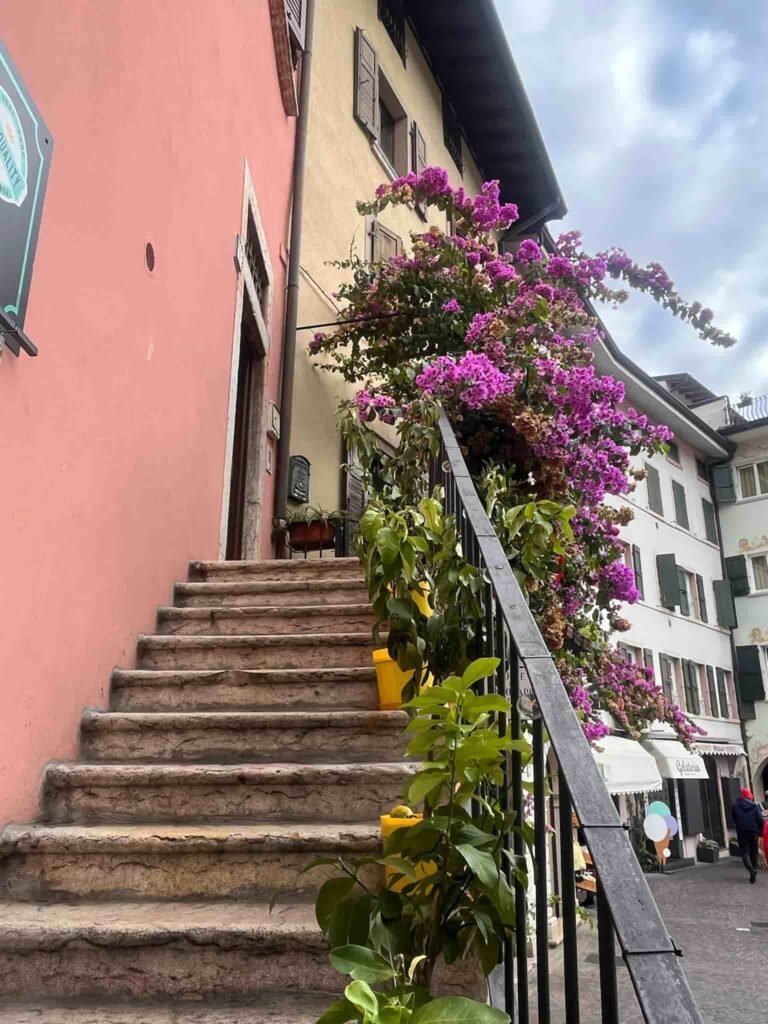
point(246, 742)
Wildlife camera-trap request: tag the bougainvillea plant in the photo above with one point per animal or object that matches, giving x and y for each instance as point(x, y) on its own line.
point(504, 341)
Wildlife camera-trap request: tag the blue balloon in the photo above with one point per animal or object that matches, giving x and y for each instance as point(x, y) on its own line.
point(659, 807)
point(672, 824)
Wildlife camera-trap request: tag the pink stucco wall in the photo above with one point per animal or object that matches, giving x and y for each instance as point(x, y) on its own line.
point(113, 439)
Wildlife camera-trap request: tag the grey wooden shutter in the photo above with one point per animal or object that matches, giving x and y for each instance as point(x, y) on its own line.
point(722, 692)
point(637, 564)
point(296, 11)
point(669, 585)
point(655, 503)
point(722, 481)
point(736, 571)
point(648, 660)
point(750, 673)
point(702, 598)
point(665, 664)
point(418, 160)
point(366, 84)
point(682, 583)
point(355, 505)
point(385, 243)
point(712, 691)
point(726, 609)
point(681, 506)
point(710, 526)
point(691, 688)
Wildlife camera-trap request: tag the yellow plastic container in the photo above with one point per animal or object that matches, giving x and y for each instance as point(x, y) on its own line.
point(388, 824)
point(390, 678)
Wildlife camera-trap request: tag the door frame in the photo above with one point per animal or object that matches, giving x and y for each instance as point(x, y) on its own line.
point(252, 517)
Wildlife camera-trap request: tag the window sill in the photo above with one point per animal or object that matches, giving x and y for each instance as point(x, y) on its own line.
point(383, 159)
point(669, 522)
point(756, 593)
point(746, 501)
point(686, 618)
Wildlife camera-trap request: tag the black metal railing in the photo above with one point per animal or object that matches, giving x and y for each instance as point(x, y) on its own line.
point(755, 409)
point(626, 909)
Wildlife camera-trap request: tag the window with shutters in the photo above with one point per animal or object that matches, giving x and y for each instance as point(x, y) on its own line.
point(723, 687)
point(653, 484)
point(674, 452)
point(750, 673)
point(726, 609)
point(736, 571)
point(712, 692)
point(710, 525)
point(452, 135)
point(691, 688)
point(667, 676)
point(684, 586)
point(700, 599)
point(637, 566)
point(393, 129)
point(392, 17)
point(669, 584)
point(753, 480)
point(760, 571)
point(382, 243)
point(681, 506)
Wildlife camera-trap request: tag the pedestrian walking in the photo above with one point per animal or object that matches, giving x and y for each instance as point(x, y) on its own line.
point(747, 818)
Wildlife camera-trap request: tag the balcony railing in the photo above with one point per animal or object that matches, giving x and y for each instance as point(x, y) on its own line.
point(756, 410)
point(626, 910)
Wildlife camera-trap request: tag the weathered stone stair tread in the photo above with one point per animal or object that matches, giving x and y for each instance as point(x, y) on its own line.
point(68, 774)
point(299, 568)
point(296, 593)
point(127, 721)
point(270, 1008)
point(260, 621)
point(274, 836)
point(201, 643)
point(285, 650)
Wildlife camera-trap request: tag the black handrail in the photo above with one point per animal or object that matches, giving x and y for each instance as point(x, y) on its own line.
point(626, 906)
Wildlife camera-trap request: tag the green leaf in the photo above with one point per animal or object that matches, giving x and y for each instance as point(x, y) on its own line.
point(361, 963)
point(481, 863)
point(361, 995)
point(423, 784)
point(479, 669)
point(458, 1010)
point(339, 1013)
point(330, 896)
point(388, 544)
point(488, 702)
point(399, 864)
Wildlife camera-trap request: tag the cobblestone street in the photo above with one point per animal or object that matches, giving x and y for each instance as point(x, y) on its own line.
point(720, 922)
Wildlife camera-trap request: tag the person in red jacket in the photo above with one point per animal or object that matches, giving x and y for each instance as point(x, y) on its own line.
point(747, 818)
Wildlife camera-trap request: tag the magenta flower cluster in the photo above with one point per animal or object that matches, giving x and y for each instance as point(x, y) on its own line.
point(473, 380)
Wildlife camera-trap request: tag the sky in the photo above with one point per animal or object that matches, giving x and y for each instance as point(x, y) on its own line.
point(655, 116)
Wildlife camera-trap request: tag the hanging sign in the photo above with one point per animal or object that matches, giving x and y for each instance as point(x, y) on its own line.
point(25, 156)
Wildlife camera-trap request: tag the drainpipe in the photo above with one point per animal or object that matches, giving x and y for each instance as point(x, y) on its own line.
point(294, 261)
point(734, 659)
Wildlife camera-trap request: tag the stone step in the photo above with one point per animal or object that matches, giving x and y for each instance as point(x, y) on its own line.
point(278, 569)
point(175, 862)
point(271, 593)
point(340, 618)
point(311, 650)
point(157, 951)
point(245, 792)
point(272, 1007)
point(241, 737)
point(177, 690)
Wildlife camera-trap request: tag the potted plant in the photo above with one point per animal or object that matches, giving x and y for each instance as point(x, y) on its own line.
point(311, 528)
point(708, 851)
point(745, 400)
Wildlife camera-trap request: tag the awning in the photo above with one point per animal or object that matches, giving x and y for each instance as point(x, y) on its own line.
point(625, 766)
point(674, 761)
point(720, 749)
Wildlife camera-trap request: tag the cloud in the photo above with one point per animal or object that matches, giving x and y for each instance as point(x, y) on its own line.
point(655, 119)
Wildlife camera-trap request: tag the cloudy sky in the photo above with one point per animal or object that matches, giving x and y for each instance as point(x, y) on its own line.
point(655, 115)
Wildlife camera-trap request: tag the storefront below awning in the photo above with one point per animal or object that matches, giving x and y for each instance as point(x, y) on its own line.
point(720, 749)
point(625, 766)
point(674, 761)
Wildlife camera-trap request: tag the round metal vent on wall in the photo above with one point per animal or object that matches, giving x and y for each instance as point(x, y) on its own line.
point(149, 256)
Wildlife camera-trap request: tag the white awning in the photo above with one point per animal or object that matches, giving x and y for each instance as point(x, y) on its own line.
point(625, 766)
point(720, 749)
point(674, 761)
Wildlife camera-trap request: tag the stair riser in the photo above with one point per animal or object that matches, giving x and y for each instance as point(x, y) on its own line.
point(256, 656)
point(244, 745)
point(299, 570)
point(180, 969)
point(233, 695)
point(335, 801)
point(311, 594)
point(52, 877)
point(244, 624)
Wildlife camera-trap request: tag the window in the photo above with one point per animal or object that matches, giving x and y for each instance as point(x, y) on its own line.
point(691, 687)
point(701, 469)
point(648, 661)
point(654, 489)
point(667, 676)
point(382, 243)
point(753, 480)
point(710, 526)
point(684, 586)
point(712, 691)
point(681, 506)
point(452, 134)
point(392, 17)
point(760, 571)
point(674, 452)
point(627, 653)
point(700, 600)
point(393, 128)
point(722, 692)
point(637, 565)
point(386, 132)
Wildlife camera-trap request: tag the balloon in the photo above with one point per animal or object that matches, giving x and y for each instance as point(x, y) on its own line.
point(655, 827)
point(667, 853)
point(672, 825)
point(660, 808)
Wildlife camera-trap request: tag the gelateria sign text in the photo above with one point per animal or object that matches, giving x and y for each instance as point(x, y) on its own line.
point(25, 155)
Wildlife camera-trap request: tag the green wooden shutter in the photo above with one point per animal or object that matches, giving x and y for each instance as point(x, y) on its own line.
point(750, 674)
point(691, 688)
point(722, 692)
point(682, 583)
point(681, 506)
point(712, 691)
point(669, 586)
point(667, 686)
point(366, 84)
point(655, 503)
point(726, 609)
point(418, 161)
point(648, 660)
point(722, 481)
point(736, 571)
point(637, 563)
point(702, 598)
point(710, 526)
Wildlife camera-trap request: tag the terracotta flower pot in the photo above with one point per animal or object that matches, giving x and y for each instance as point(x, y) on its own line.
point(312, 536)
